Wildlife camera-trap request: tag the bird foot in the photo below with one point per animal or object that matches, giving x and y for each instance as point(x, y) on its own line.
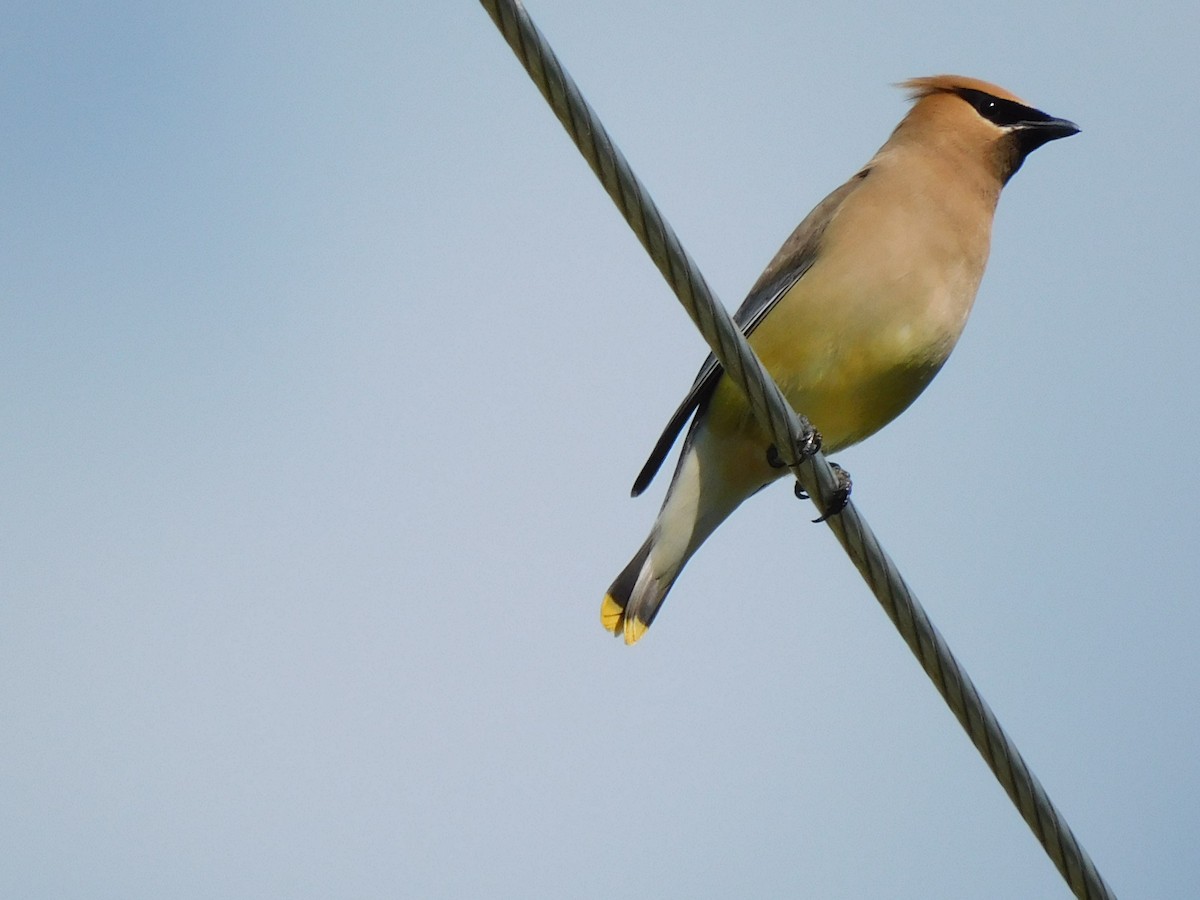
point(841, 494)
point(808, 447)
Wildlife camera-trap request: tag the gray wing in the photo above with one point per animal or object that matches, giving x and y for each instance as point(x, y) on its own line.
point(793, 260)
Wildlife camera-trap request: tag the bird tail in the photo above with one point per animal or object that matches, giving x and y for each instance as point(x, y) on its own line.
point(635, 596)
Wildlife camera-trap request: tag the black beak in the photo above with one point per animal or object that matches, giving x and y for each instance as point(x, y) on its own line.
point(1032, 133)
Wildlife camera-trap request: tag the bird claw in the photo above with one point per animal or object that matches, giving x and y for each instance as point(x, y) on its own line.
point(807, 448)
point(841, 494)
point(811, 445)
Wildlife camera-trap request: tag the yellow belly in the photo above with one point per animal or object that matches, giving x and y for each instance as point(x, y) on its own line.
point(850, 366)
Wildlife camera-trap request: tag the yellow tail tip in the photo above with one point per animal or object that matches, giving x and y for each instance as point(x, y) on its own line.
point(613, 618)
point(611, 614)
point(634, 629)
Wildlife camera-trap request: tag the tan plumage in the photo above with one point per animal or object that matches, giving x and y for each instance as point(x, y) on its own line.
point(853, 317)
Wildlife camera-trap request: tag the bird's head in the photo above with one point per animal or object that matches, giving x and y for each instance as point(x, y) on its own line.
point(984, 120)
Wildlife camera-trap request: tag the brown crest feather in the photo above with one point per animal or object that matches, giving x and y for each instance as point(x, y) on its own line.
point(945, 84)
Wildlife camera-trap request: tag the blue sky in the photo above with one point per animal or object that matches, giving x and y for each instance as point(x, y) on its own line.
point(326, 366)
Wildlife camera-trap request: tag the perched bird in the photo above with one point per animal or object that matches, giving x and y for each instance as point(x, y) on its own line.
point(853, 317)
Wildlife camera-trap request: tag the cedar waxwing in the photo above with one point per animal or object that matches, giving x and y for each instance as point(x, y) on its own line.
point(853, 317)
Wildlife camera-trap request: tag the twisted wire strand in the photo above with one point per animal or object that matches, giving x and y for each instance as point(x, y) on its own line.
point(652, 230)
point(790, 432)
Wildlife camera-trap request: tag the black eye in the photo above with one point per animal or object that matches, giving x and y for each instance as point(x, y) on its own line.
point(999, 111)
